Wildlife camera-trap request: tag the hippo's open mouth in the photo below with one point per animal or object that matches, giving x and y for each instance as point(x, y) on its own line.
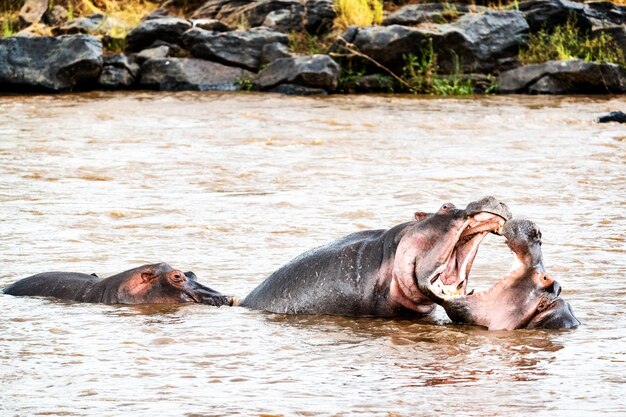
point(452, 276)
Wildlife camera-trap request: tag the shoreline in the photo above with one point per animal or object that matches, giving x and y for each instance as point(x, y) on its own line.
point(475, 51)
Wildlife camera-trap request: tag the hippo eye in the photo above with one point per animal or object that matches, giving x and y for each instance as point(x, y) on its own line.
point(178, 277)
point(446, 207)
point(545, 277)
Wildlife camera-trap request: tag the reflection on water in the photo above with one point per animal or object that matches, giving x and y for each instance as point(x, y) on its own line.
point(232, 186)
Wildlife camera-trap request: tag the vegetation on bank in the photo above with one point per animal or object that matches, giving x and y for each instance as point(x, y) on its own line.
point(568, 42)
point(358, 12)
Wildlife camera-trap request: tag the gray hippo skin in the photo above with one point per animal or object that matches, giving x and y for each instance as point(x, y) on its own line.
point(383, 273)
point(527, 297)
point(156, 284)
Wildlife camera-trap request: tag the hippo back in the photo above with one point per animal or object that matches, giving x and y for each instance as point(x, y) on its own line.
point(338, 278)
point(63, 285)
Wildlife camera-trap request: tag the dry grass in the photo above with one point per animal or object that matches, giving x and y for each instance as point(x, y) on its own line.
point(127, 12)
point(358, 12)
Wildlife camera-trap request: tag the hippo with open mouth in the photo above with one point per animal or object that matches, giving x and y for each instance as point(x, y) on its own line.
point(157, 284)
point(527, 297)
point(383, 273)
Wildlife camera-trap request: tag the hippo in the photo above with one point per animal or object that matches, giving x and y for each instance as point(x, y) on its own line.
point(527, 297)
point(383, 273)
point(157, 284)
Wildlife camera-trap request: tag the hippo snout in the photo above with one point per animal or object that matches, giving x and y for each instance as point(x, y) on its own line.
point(489, 204)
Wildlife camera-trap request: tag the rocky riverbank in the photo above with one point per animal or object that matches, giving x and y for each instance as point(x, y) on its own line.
point(241, 44)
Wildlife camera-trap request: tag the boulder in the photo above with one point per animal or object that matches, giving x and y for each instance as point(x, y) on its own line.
point(32, 12)
point(545, 14)
point(319, 16)
point(415, 14)
point(162, 51)
point(118, 72)
point(287, 12)
point(175, 74)
point(371, 83)
point(481, 42)
point(283, 20)
point(386, 44)
point(91, 25)
point(226, 11)
point(167, 29)
point(614, 116)
point(55, 16)
point(604, 14)
point(297, 90)
point(251, 13)
point(564, 77)
point(477, 42)
point(48, 63)
point(241, 49)
point(211, 24)
point(273, 51)
point(315, 71)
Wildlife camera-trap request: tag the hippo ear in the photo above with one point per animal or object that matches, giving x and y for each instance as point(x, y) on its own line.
point(148, 276)
point(419, 216)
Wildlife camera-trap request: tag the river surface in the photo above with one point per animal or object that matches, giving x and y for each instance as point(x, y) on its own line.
point(234, 185)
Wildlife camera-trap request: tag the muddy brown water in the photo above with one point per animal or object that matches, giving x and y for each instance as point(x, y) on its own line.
point(232, 186)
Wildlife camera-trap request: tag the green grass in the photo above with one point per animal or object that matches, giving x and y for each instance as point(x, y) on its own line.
point(566, 42)
point(421, 76)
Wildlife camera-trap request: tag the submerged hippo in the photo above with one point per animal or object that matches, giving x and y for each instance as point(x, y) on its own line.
point(158, 284)
point(383, 273)
point(527, 297)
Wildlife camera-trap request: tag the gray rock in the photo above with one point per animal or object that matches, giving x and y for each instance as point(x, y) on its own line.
point(388, 44)
point(162, 51)
point(614, 116)
point(545, 14)
point(94, 24)
point(32, 12)
point(297, 90)
point(273, 51)
point(481, 42)
point(159, 13)
point(288, 13)
point(114, 78)
point(250, 13)
point(283, 20)
point(319, 16)
point(564, 77)
point(167, 29)
point(414, 14)
point(242, 49)
point(177, 74)
point(315, 71)
point(48, 63)
point(477, 42)
point(55, 16)
point(211, 24)
point(604, 14)
point(123, 62)
point(371, 83)
point(226, 11)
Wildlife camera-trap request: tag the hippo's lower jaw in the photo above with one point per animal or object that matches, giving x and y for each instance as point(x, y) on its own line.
point(452, 276)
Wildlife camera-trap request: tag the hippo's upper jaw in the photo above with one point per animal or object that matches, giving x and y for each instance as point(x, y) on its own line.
point(451, 275)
